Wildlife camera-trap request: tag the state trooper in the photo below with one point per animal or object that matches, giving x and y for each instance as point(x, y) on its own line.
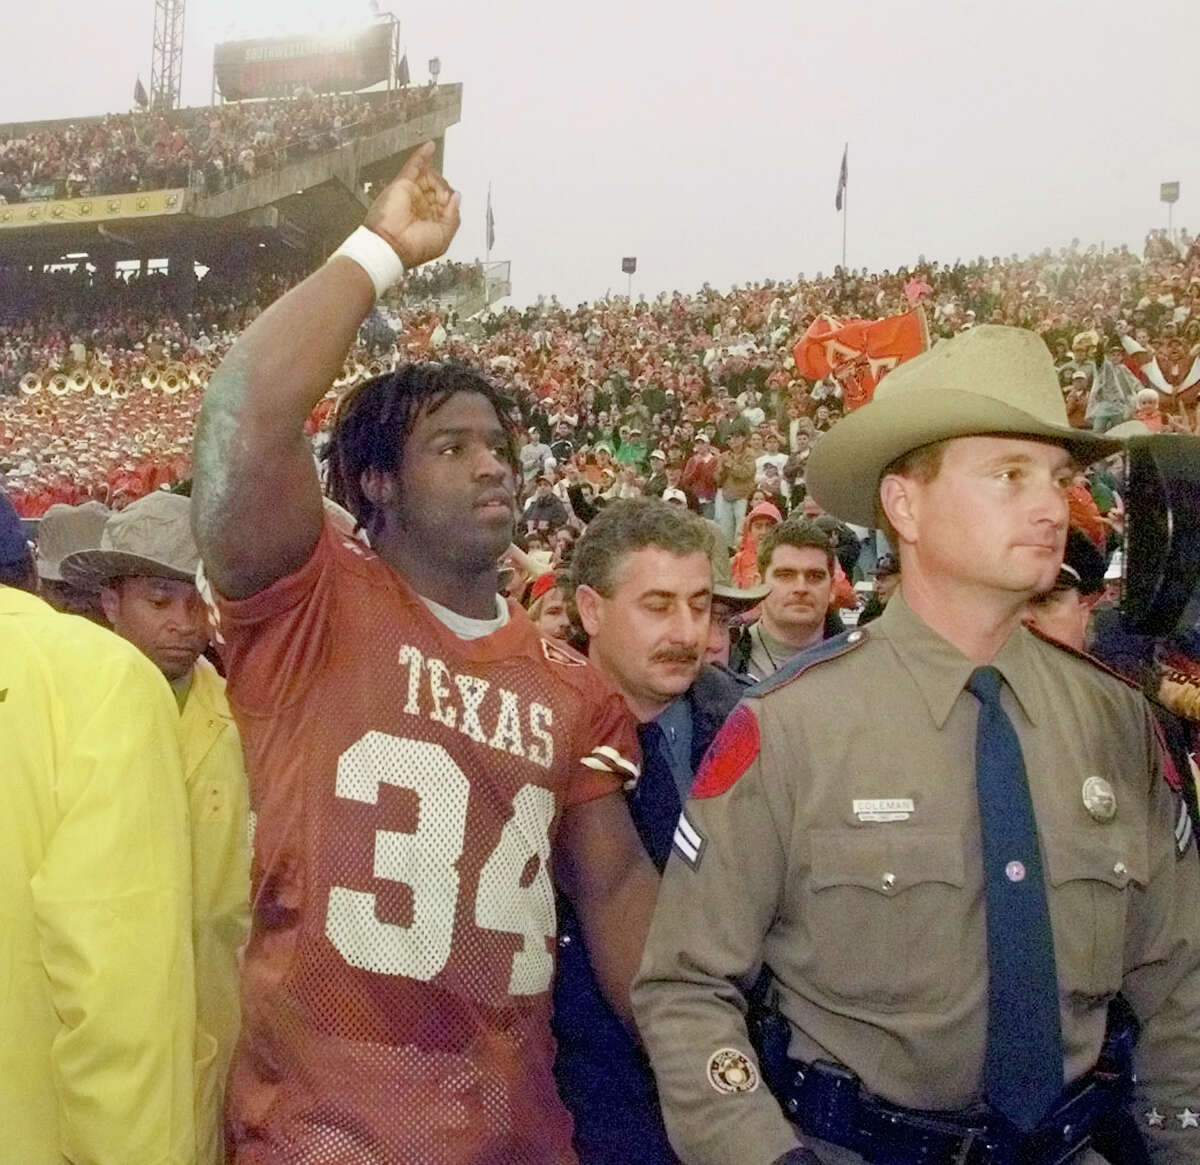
point(947, 898)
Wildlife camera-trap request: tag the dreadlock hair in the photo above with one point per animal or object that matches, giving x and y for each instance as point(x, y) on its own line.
point(373, 422)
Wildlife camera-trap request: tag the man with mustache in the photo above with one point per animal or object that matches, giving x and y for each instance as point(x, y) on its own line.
point(421, 758)
point(145, 575)
point(795, 559)
point(643, 588)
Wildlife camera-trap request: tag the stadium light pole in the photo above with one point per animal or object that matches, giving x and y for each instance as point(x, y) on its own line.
point(166, 66)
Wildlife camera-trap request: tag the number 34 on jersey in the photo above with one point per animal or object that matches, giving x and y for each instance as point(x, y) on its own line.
point(427, 861)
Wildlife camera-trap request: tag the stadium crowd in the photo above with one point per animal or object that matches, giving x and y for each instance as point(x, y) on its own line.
point(617, 381)
point(208, 148)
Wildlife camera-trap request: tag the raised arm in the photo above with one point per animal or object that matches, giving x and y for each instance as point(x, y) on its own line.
point(256, 502)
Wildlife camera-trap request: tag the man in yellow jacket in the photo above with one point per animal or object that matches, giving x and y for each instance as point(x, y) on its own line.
point(144, 572)
point(96, 993)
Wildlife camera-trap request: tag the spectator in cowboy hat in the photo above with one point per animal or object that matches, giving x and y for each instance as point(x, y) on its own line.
point(145, 572)
point(727, 644)
point(63, 530)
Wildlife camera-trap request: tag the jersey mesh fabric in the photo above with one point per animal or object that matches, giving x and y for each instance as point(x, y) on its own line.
point(406, 785)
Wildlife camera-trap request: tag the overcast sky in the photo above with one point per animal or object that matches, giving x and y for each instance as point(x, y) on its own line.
point(705, 137)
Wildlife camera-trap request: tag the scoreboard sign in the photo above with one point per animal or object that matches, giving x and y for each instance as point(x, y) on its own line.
point(278, 66)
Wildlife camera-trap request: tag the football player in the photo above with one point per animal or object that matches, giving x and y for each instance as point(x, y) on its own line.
point(422, 761)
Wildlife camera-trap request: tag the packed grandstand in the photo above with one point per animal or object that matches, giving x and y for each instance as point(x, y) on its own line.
point(102, 379)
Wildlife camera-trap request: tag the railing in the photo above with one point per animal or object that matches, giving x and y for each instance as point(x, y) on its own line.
point(197, 176)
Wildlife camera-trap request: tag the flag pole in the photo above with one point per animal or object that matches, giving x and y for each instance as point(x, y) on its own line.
point(487, 227)
point(845, 205)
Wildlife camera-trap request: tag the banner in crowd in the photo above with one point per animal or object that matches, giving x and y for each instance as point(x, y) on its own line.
point(859, 352)
point(278, 66)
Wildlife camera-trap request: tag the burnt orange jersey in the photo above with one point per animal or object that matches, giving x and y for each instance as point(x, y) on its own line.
point(406, 785)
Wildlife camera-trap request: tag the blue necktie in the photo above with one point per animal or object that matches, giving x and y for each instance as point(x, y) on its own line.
point(655, 805)
point(1023, 1069)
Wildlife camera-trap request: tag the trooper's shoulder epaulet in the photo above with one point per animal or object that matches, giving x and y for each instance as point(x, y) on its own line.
point(1098, 664)
point(809, 658)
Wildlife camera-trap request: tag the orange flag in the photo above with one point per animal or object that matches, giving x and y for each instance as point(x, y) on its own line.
point(859, 352)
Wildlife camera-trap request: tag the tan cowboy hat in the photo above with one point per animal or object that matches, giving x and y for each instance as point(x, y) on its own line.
point(150, 538)
point(742, 597)
point(65, 529)
point(1127, 429)
point(991, 379)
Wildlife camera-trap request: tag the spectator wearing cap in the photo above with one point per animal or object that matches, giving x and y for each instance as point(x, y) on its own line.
point(1077, 398)
point(744, 567)
point(63, 530)
point(657, 482)
point(544, 511)
point(887, 579)
point(144, 572)
point(699, 473)
point(16, 558)
point(534, 454)
point(632, 450)
point(1064, 612)
point(97, 1008)
point(735, 482)
point(547, 607)
point(772, 455)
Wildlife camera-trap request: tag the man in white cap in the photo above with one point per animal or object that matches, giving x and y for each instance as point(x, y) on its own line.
point(944, 929)
point(144, 572)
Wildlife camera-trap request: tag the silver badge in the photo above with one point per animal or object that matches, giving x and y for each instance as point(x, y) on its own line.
point(1099, 799)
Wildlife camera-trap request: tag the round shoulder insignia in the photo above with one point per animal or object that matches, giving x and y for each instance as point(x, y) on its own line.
point(732, 1071)
point(1099, 799)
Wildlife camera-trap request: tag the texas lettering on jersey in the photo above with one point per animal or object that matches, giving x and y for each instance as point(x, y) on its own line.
point(495, 718)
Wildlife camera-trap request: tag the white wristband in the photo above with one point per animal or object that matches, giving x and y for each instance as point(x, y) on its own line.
point(375, 256)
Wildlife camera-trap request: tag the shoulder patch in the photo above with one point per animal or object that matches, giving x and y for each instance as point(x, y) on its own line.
point(1099, 664)
point(810, 657)
point(731, 753)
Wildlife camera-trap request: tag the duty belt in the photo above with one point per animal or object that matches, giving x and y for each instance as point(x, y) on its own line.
point(828, 1101)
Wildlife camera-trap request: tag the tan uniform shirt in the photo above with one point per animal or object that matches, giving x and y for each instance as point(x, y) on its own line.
point(874, 929)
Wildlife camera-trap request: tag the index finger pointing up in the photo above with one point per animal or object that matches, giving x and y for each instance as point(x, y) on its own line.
point(417, 161)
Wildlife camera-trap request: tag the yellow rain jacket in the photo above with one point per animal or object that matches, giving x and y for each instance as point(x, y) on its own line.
point(96, 976)
point(215, 778)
